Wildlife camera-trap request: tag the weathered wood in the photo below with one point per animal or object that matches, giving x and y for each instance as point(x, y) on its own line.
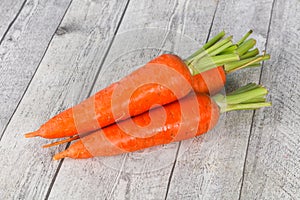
point(212, 167)
point(8, 12)
point(147, 27)
point(273, 159)
point(64, 77)
point(208, 167)
point(23, 48)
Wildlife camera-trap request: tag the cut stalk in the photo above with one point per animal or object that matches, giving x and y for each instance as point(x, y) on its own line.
point(214, 40)
point(244, 37)
point(222, 48)
point(250, 54)
point(233, 66)
point(230, 49)
point(254, 65)
point(247, 106)
point(241, 50)
point(209, 50)
point(208, 44)
point(214, 61)
point(251, 96)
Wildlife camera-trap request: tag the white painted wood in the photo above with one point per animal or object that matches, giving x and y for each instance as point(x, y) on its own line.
point(212, 167)
point(22, 49)
point(8, 11)
point(63, 79)
point(144, 174)
point(273, 160)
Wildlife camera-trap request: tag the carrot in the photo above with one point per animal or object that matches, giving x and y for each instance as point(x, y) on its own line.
point(97, 111)
point(201, 114)
point(209, 82)
point(165, 79)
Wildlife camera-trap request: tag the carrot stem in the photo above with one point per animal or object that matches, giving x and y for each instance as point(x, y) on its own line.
point(241, 50)
point(250, 54)
point(230, 49)
point(222, 48)
point(207, 45)
point(247, 106)
point(209, 50)
point(244, 37)
point(233, 66)
point(212, 62)
point(248, 97)
point(214, 40)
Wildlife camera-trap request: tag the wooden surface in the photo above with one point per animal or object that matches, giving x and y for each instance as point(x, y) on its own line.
point(54, 54)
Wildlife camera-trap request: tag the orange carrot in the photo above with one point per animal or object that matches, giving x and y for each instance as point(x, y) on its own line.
point(96, 111)
point(165, 79)
point(184, 119)
point(209, 82)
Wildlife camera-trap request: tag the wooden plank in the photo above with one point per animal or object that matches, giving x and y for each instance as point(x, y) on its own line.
point(212, 166)
point(147, 27)
point(8, 12)
point(23, 48)
point(273, 161)
point(63, 79)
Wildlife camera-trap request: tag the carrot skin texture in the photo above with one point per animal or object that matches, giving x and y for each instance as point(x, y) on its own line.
point(96, 111)
point(113, 140)
point(209, 82)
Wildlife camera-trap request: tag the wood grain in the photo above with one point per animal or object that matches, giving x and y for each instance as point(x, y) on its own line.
point(209, 167)
point(8, 12)
point(65, 73)
point(273, 159)
point(23, 48)
point(212, 166)
point(148, 29)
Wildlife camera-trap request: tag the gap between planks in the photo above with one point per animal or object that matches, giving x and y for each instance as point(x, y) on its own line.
point(5, 127)
point(13, 21)
point(89, 93)
point(253, 115)
point(178, 148)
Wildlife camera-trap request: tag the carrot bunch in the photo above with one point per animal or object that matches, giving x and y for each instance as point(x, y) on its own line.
point(98, 122)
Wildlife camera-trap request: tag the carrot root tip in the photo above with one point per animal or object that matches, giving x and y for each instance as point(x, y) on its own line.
point(31, 134)
point(59, 156)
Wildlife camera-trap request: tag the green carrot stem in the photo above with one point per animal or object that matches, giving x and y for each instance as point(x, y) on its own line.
point(244, 37)
point(246, 96)
point(233, 66)
point(209, 50)
point(247, 106)
point(222, 48)
point(241, 50)
point(245, 88)
point(256, 100)
point(230, 49)
point(208, 44)
point(251, 96)
point(214, 40)
point(250, 54)
point(208, 62)
point(254, 65)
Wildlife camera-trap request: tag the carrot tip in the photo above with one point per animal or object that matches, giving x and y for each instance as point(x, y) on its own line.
point(31, 134)
point(59, 156)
